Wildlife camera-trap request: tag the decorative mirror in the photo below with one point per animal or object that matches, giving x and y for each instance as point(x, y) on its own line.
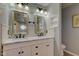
point(18, 24)
point(40, 26)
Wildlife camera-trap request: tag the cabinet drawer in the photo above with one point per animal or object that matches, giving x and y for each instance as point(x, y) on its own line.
point(12, 52)
point(43, 49)
point(26, 51)
point(47, 49)
point(36, 49)
point(21, 51)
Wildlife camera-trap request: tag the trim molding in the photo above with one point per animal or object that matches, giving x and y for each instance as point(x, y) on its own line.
point(70, 53)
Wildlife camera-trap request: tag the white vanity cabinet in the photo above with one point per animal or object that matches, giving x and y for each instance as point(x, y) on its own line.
point(20, 51)
point(14, 52)
point(26, 51)
point(42, 47)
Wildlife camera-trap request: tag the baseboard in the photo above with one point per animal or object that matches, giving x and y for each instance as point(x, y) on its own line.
point(69, 53)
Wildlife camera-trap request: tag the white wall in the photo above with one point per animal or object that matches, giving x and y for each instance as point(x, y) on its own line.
point(55, 27)
point(1, 17)
point(4, 20)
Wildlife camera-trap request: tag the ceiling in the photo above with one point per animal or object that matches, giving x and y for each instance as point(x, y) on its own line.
point(65, 5)
point(44, 4)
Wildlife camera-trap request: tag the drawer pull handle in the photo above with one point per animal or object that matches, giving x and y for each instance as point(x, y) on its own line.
point(22, 51)
point(48, 45)
point(36, 53)
point(36, 47)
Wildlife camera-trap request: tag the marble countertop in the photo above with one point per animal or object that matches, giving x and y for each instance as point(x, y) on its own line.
point(9, 41)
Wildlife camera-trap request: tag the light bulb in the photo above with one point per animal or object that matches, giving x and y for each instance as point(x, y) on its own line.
point(26, 7)
point(37, 10)
point(19, 5)
point(23, 27)
point(41, 11)
point(45, 12)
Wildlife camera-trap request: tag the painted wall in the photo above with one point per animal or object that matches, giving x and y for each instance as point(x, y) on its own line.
point(55, 17)
point(2, 12)
point(70, 34)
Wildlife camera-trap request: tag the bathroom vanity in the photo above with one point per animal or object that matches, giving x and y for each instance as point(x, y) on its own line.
point(30, 29)
point(39, 47)
point(24, 37)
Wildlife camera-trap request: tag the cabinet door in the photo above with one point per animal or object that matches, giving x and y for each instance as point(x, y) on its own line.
point(26, 51)
point(43, 49)
point(12, 52)
point(47, 49)
point(36, 50)
point(22, 51)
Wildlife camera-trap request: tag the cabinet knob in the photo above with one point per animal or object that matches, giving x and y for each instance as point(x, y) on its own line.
point(36, 53)
point(47, 45)
point(19, 52)
point(22, 51)
point(36, 47)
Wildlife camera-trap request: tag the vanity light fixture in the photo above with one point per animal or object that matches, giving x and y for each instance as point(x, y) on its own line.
point(41, 10)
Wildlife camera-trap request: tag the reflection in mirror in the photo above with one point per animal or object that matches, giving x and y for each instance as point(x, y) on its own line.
point(40, 25)
point(18, 24)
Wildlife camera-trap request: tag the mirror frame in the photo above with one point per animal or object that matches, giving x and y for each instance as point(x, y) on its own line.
point(37, 26)
point(11, 26)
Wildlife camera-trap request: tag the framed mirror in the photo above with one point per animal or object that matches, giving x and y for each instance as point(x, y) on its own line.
point(18, 24)
point(40, 25)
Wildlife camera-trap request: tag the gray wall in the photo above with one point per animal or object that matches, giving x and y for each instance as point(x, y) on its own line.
point(70, 34)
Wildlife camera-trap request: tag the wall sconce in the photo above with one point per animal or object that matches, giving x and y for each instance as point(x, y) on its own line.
point(23, 5)
point(41, 10)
